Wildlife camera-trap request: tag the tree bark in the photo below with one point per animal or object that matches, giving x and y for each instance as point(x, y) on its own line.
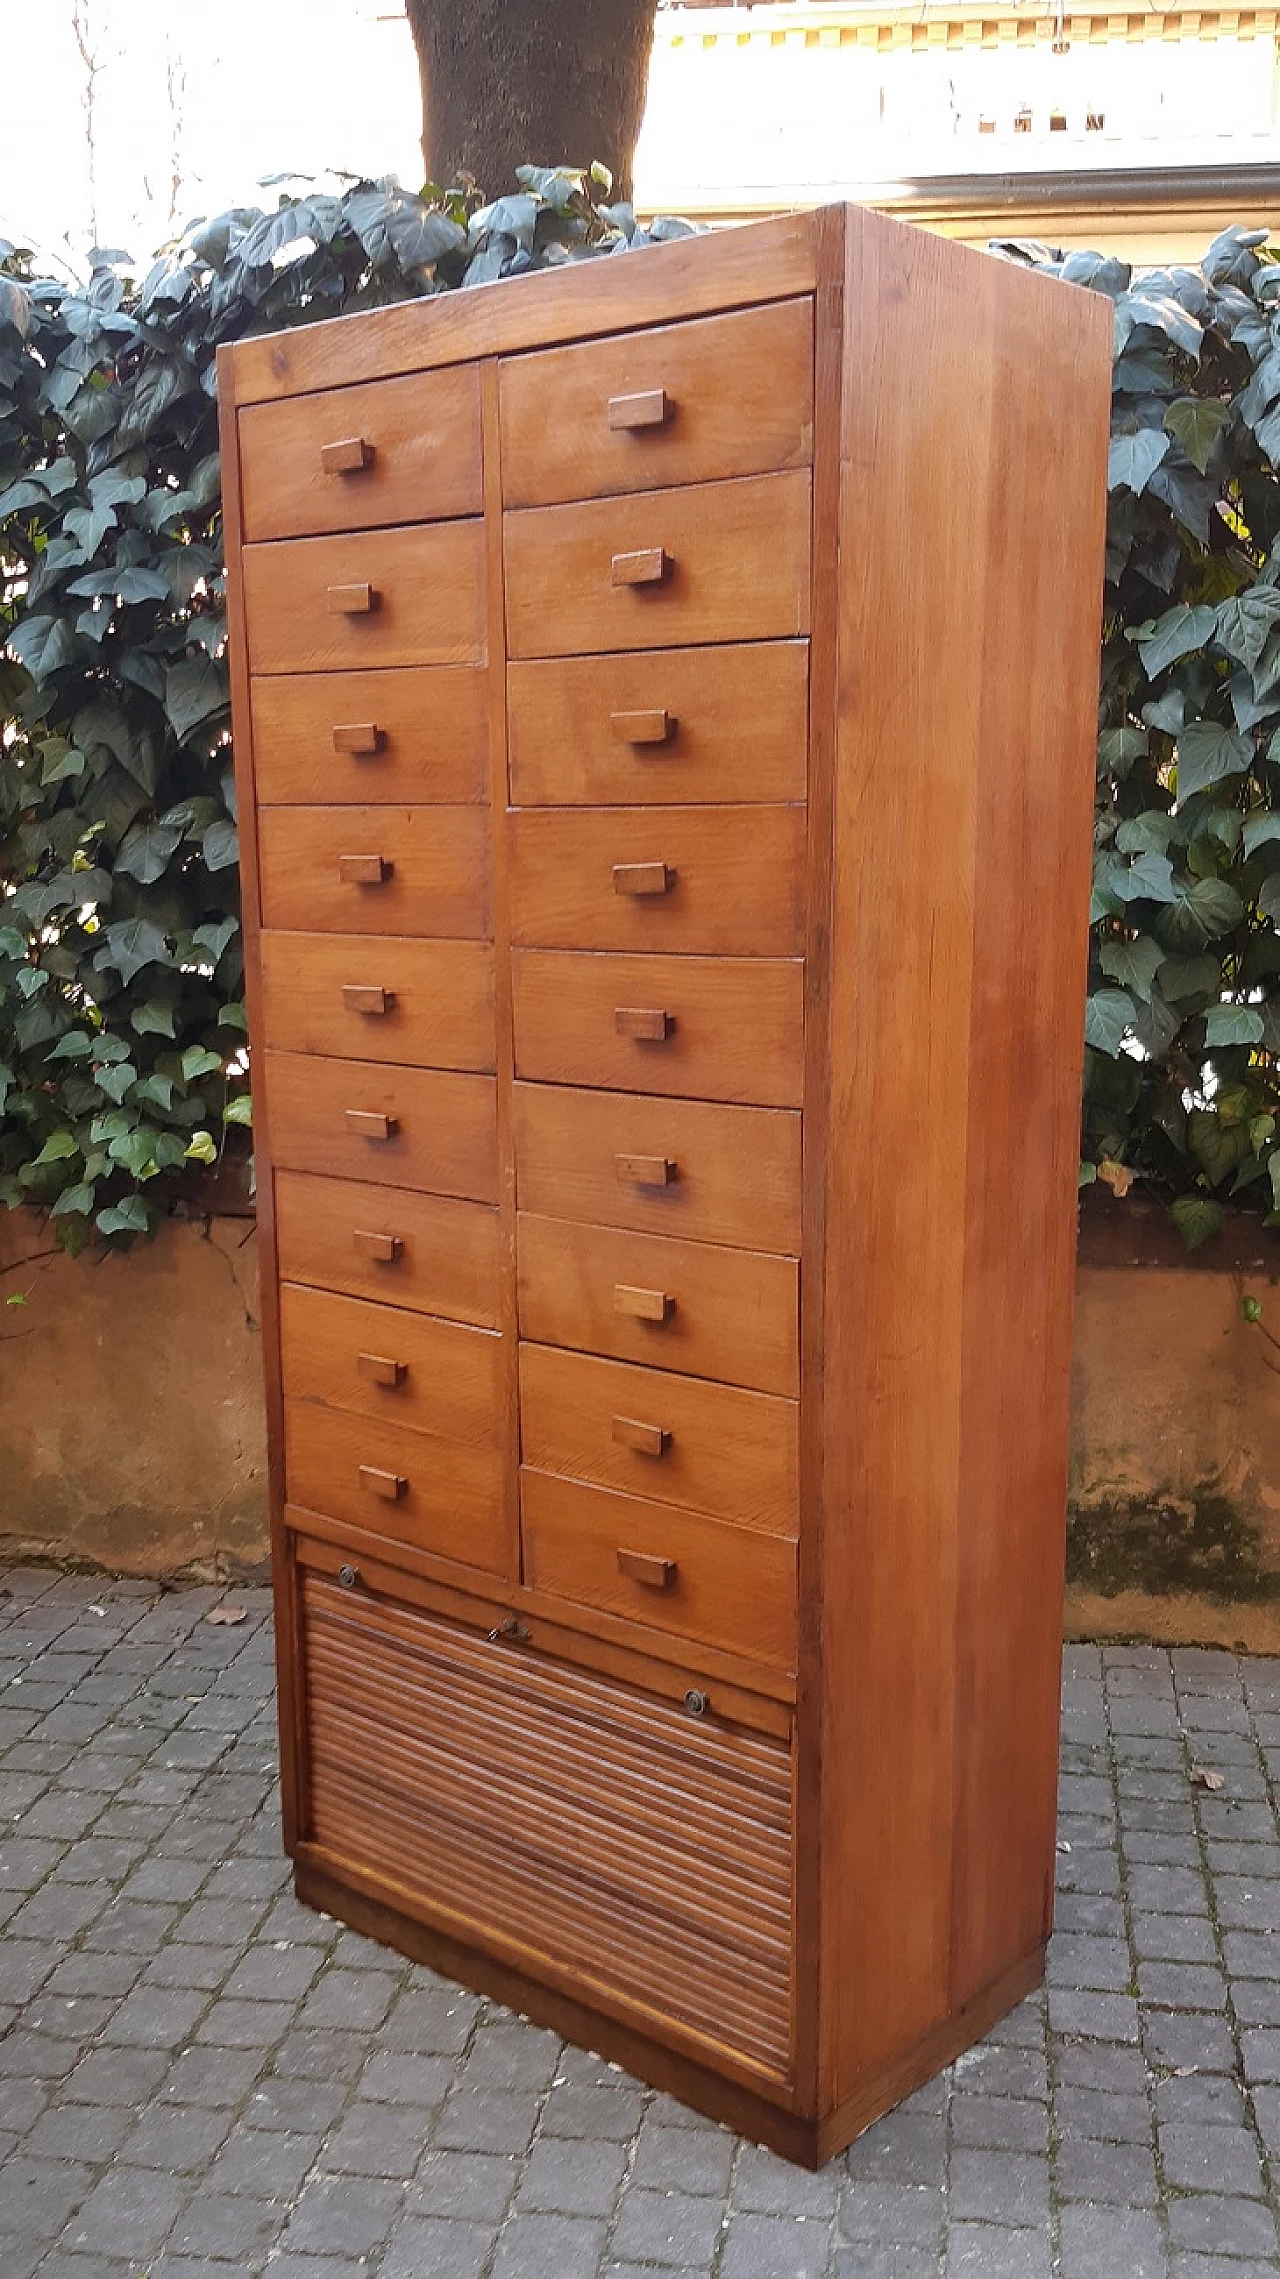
point(509, 83)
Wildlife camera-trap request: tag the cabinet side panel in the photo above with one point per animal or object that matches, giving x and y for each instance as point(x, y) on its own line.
point(1046, 511)
point(289, 1708)
point(951, 370)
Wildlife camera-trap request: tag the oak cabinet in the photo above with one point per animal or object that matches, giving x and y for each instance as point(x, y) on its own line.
point(664, 701)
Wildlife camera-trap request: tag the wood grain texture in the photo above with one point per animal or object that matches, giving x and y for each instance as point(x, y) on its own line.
point(945, 1361)
point(737, 1170)
point(728, 1453)
point(738, 557)
point(738, 879)
point(736, 727)
point(721, 396)
point(687, 278)
point(727, 1584)
point(444, 1126)
point(434, 877)
point(448, 1379)
point(430, 1253)
point(420, 460)
point(427, 599)
point(429, 743)
point(735, 1026)
point(450, 1491)
point(424, 1004)
point(730, 1314)
point(585, 1822)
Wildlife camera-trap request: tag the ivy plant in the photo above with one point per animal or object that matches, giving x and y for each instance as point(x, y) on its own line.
point(1182, 1060)
point(122, 1049)
point(122, 1031)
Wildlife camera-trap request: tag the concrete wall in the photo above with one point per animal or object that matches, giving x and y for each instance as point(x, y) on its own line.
point(131, 1429)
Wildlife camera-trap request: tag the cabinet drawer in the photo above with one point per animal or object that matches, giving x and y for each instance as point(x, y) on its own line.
point(681, 1167)
point(672, 1570)
point(672, 726)
point(413, 735)
point(733, 879)
point(434, 1493)
point(627, 1847)
point(375, 870)
point(682, 403)
point(716, 562)
point(422, 1004)
point(728, 1314)
point(431, 1253)
point(398, 1367)
point(395, 451)
point(409, 1127)
point(703, 1028)
point(677, 1440)
point(379, 597)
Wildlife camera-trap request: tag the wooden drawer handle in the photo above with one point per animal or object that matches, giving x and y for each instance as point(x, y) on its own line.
point(364, 870)
point(642, 1305)
point(649, 1022)
point(646, 1439)
point(390, 1486)
point(366, 1125)
point(651, 409)
point(647, 1170)
point(359, 999)
point(352, 601)
point(350, 455)
point(359, 737)
point(385, 1249)
point(643, 878)
point(642, 1567)
point(380, 1369)
point(649, 566)
point(643, 727)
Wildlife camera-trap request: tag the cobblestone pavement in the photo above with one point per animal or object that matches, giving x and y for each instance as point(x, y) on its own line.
point(199, 2077)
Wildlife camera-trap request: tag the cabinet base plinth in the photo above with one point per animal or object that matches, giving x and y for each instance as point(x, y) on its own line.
point(807, 2141)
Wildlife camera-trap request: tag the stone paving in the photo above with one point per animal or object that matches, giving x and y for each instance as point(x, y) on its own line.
point(200, 2078)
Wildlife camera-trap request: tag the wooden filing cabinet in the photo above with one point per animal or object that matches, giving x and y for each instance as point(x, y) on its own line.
point(664, 710)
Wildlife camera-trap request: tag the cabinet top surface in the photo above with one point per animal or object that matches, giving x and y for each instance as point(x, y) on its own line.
point(686, 277)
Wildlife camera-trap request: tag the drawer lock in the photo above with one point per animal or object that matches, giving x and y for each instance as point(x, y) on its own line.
point(696, 1703)
point(509, 1627)
point(348, 1577)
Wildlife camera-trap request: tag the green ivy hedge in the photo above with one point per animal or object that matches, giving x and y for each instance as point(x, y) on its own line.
point(122, 1046)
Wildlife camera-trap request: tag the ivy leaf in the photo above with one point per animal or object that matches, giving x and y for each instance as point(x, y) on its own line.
point(1196, 422)
point(1132, 459)
point(147, 849)
point(195, 693)
point(213, 938)
point(1232, 1025)
point(77, 1044)
point(58, 1148)
point(239, 1110)
point(59, 760)
point(1118, 748)
point(202, 1148)
point(133, 944)
point(1109, 1016)
point(198, 1061)
point(220, 847)
point(129, 1216)
point(1208, 753)
point(1202, 912)
point(153, 1018)
point(1134, 965)
point(116, 1080)
point(1196, 1218)
point(43, 644)
point(1176, 634)
point(1245, 621)
point(77, 1198)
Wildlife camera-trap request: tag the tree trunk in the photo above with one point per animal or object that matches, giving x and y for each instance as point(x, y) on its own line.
point(509, 83)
